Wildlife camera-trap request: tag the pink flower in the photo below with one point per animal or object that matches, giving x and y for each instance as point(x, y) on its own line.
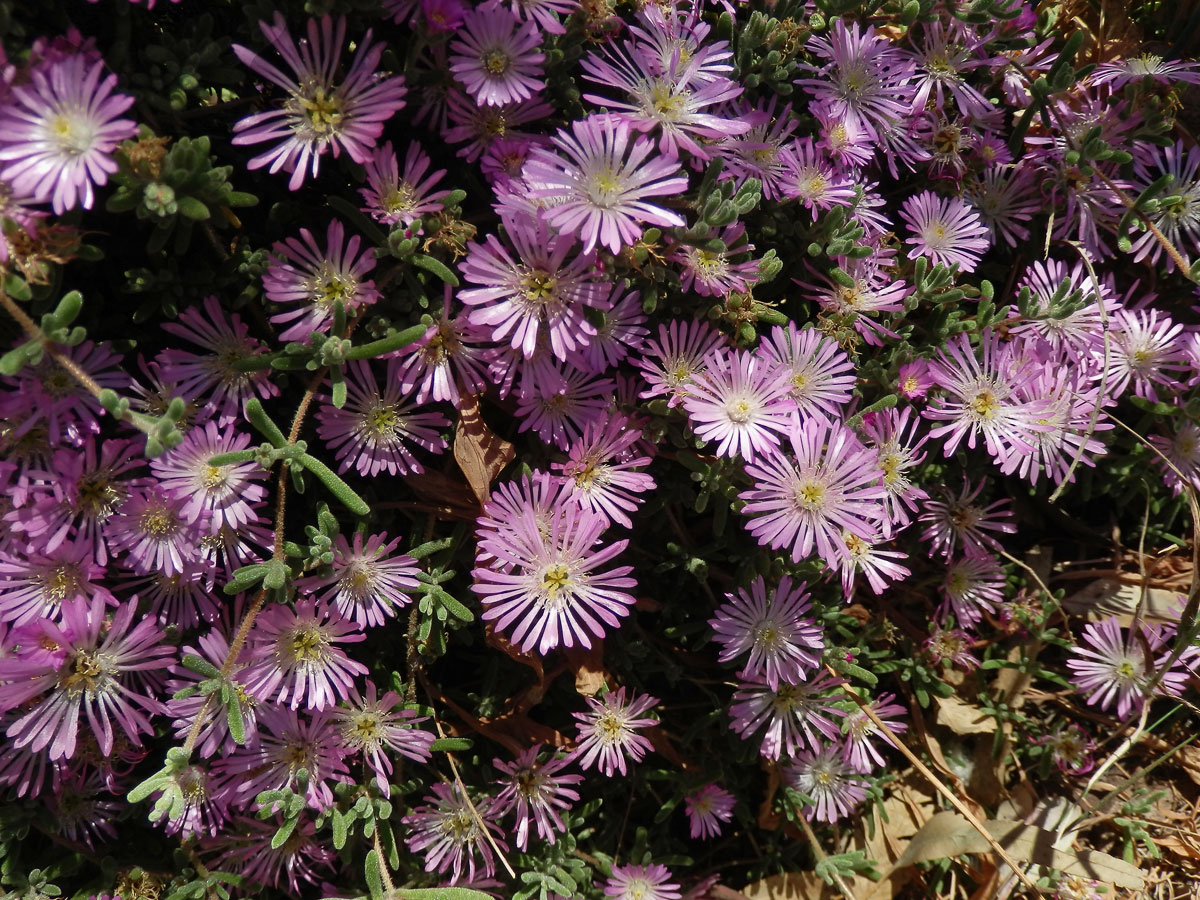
point(742, 401)
point(795, 715)
point(599, 191)
point(828, 781)
point(367, 583)
point(496, 58)
point(641, 883)
point(321, 113)
point(396, 198)
point(608, 732)
point(1109, 667)
point(707, 809)
point(59, 131)
point(945, 231)
point(451, 835)
point(782, 642)
point(537, 791)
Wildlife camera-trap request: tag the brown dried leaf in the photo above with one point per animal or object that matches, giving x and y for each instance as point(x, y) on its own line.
point(588, 666)
point(1189, 758)
point(790, 886)
point(962, 717)
point(948, 834)
point(479, 452)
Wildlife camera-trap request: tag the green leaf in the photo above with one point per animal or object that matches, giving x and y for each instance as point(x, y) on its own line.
point(191, 208)
point(451, 745)
point(259, 419)
point(200, 666)
point(389, 344)
point(336, 486)
point(372, 874)
point(435, 267)
point(441, 893)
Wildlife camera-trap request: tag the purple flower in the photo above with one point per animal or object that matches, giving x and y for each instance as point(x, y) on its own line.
point(858, 750)
point(59, 132)
point(370, 724)
point(707, 809)
point(1146, 350)
point(451, 835)
point(396, 198)
point(295, 656)
point(795, 715)
point(537, 791)
point(84, 676)
point(558, 409)
point(608, 732)
point(652, 882)
point(545, 291)
point(544, 585)
point(221, 495)
point(973, 585)
point(959, 521)
point(246, 850)
point(320, 113)
point(782, 641)
point(945, 231)
point(891, 434)
point(152, 528)
point(496, 58)
point(444, 361)
point(671, 363)
point(36, 585)
point(305, 274)
point(880, 567)
point(1110, 667)
point(372, 432)
point(810, 177)
point(741, 400)
point(716, 273)
point(832, 485)
point(820, 374)
point(829, 783)
point(367, 584)
point(599, 191)
point(599, 469)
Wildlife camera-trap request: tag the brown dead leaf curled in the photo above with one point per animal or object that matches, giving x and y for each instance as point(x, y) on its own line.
point(948, 834)
point(588, 666)
point(962, 717)
point(479, 452)
point(790, 886)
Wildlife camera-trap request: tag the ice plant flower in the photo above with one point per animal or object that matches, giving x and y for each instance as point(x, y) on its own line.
point(743, 402)
point(599, 190)
point(537, 791)
point(820, 374)
point(707, 809)
point(782, 641)
point(960, 521)
point(671, 363)
point(599, 469)
point(367, 584)
point(375, 430)
point(1113, 668)
point(400, 198)
point(652, 882)
point(828, 781)
point(315, 279)
point(321, 113)
point(795, 716)
point(545, 590)
point(371, 723)
point(218, 495)
point(973, 585)
point(59, 131)
point(833, 484)
point(858, 750)
point(608, 731)
point(451, 835)
point(495, 57)
point(85, 676)
point(945, 231)
point(152, 528)
point(296, 658)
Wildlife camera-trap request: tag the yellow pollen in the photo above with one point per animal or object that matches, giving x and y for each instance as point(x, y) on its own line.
point(323, 111)
point(496, 62)
point(555, 578)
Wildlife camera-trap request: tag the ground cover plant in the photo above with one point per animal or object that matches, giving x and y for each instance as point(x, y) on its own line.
point(576, 449)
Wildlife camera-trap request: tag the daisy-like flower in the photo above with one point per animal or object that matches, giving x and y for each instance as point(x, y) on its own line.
point(858, 750)
point(1109, 667)
point(321, 112)
point(599, 190)
point(400, 198)
point(445, 360)
point(782, 641)
point(1183, 450)
point(299, 861)
point(1070, 748)
point(374, 430)
point(451, 836)
point(544, 293)
point(544, 585)
point(960, 521)
point(1049, 285)
point(717, 273)
point(1074, 415)
point(496, 58)
point(950, 644)
point(315, 279)
point(795, 716)
point(608, 731)
point(829, 783)
point(707, 809)
point(973, 585)
point(891, 433)
point(671, 363)
point(1005, 196)
point(287, 743)
point(559, 405)
point(1177, 216)
point(59, 131)
point(833, 485)
point(743, 402)
point(1120, 72)
point(1146, 351)
point(652, 882)
point(85, 675)
point(946, 231)
point(810, 177)
point(36, 585)
point(186, 703)
point(296, 658)
point(622, 334)
point(943, 57)
point(220, 495)
point(820, 374)
point(599, 469)
point(214, 376)
point(152, 528)
point(367, 584)
point(370, 724)
point(982, 397)
point(537, 791)
point(862, 555)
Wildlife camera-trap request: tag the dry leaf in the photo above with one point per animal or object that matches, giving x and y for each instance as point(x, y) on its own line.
point(479, 452)
point(962, 717)
point(1189, 759)
point(948, 834)
point(790, 886)
point(588, 666)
